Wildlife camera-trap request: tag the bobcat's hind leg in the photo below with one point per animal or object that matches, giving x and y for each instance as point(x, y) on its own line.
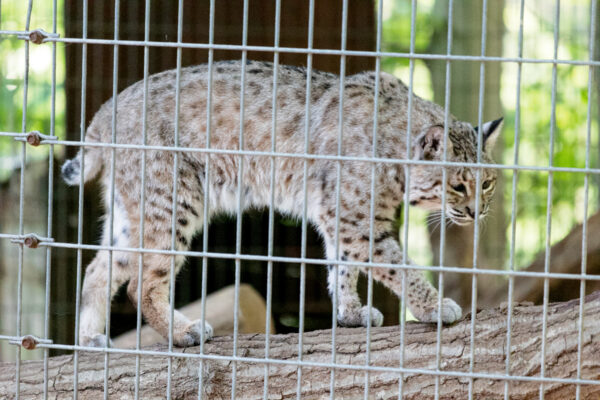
point(155, 290)
point(92, 316)
point(94, 293)
point(155, 303)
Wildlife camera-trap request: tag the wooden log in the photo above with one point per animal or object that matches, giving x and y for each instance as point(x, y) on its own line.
point(219, 313)
point(489, 359)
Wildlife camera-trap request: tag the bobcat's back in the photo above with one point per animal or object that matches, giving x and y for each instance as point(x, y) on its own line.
point(225, 127)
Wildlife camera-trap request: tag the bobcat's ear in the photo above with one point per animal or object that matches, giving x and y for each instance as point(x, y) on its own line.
point(430, 144)
point(490, 131)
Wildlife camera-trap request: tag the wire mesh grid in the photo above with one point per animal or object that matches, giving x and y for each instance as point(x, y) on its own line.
point(23, 239)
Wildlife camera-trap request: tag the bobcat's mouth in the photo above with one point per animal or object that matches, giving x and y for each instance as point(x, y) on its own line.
point(459, 217)
point(463, 217)
point(462, 221)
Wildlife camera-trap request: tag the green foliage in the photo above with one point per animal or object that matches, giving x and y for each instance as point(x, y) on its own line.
point(39, 91)
point(569, 130)
point(396, 30)
point(570, 143)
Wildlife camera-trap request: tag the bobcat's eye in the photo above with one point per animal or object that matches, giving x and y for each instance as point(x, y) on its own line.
point(486, 185)
point(460, 188)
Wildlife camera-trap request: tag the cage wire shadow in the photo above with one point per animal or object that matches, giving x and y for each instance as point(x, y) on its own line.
point(47, 243)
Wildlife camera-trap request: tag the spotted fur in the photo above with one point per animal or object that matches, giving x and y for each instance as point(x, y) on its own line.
point(425, 186)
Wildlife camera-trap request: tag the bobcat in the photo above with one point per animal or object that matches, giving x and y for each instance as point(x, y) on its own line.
point(425, 186)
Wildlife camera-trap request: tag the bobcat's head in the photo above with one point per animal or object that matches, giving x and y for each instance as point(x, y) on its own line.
point(427, 183)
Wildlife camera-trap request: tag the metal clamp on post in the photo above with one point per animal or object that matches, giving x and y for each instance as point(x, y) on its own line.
point(31, 240)
point(37, 36)
point(34, 138)
point(29, 342)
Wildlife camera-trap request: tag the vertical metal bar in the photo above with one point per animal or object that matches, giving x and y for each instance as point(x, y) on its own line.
point(272, 194)
point(513, 220)
point(81, 192)
point(238, 225)
point(584, 235)
point(50, 199)
point(22, 204)
point(20, 266)
point(111, 191)
point(309, 59)
point(337, 192)
point(373, 194)
point(549, 199)
point(406, 210)
point(174, 196)
point(206, 212)
point(477, 197)
point(438, 349)
point(140, 277)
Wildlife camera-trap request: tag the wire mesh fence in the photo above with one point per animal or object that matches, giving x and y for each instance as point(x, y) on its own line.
point(512, 168)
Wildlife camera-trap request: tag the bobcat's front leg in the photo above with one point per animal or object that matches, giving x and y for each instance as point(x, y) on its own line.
point(342, 281)
point(350, 311)
point(354, 243)
point(421, 297)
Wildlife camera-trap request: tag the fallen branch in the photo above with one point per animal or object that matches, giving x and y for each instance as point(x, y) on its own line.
point(565, 257)
point(489, 362)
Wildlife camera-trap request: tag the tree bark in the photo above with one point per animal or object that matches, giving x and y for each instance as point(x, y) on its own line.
point(419, 353)
point(565, 257)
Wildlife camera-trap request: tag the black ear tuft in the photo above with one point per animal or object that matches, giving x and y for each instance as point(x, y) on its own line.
point(490, 128)
point(490, 132)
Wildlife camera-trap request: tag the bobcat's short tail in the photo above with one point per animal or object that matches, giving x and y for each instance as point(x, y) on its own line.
point(71, 169)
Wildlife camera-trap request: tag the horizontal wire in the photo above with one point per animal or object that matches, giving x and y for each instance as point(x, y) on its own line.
point(318, 261)
point(301, 50)
point(322, 157)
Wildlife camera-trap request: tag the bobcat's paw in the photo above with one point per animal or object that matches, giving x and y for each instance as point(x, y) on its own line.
point(451, 312)
point(191, 336)
point(376, 316)
point(360, 317)
point(98, 340)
